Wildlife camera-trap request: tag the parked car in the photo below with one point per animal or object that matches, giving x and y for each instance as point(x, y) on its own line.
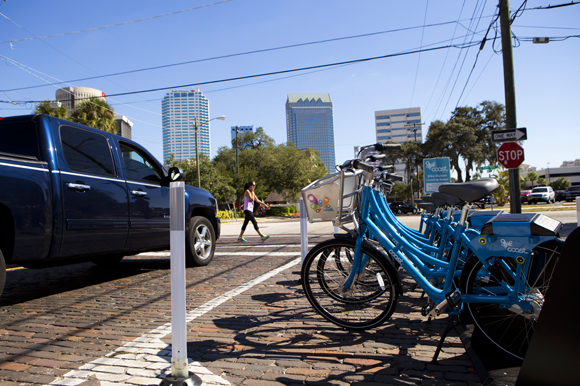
point(572, 193)
point(543, 194)
point(524, 195)
point(560, 195)
point(402, 207)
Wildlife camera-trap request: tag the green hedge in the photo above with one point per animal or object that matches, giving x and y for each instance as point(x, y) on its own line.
point(281, 211)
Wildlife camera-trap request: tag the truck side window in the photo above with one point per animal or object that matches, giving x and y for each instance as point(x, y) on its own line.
point(19, 139)
point(85, 151)
point(139, 166)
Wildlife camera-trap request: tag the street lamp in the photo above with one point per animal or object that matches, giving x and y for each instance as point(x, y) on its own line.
point(221, 118)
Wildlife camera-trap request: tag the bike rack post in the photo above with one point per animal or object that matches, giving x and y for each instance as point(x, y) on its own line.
point(303, 231)
point(578, 211)
point(180, 374)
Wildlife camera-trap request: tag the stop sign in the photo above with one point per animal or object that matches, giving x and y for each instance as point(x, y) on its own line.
point(510, 155)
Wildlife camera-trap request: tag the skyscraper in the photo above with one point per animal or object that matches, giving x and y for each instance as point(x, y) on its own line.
point(180, 108)
point(399, 125)
point(310, 124)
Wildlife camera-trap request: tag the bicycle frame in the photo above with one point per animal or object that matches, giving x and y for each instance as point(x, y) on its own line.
point(482, 247)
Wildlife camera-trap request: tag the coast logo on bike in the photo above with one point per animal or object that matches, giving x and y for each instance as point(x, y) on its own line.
point(508, 246)
point(320, 205)
point(434, 168)
point(399, 260)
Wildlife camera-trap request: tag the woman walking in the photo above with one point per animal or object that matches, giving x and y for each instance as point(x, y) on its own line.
point(249, 200)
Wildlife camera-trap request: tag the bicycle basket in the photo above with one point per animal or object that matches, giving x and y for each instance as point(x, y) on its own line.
point(322, 197)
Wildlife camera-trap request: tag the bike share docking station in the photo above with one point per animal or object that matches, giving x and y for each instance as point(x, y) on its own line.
point(554, 353)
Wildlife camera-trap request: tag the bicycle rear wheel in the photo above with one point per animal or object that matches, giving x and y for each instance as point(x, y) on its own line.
point(507, 328)
point(369, 302)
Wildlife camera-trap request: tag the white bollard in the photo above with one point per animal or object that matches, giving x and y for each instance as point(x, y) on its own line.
point(179, 370)
point(303, 231)
point(578, 211)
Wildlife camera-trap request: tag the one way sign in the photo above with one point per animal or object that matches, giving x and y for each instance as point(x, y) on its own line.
point(509, 135)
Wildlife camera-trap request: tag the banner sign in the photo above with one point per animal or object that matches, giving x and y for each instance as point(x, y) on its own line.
point(436, 172)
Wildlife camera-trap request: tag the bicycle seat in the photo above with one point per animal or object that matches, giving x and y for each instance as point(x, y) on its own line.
point(427, 206)
point(470, 191)
point(447, 198)
point(434, 201)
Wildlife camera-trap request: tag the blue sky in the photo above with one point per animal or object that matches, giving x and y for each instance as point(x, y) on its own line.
point(547, 77)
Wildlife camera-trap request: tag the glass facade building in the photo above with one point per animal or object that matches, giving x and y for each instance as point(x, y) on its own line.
point(180, 108)
point(241, 130)
point(310, 124)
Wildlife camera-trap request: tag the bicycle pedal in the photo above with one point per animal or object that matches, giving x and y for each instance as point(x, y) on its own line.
point(426, 309)
point(451, 301)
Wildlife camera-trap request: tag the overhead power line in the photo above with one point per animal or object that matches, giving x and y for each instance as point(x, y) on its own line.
point(111, 25)
point(240, 54)
point(555, 6)
point(287, 71)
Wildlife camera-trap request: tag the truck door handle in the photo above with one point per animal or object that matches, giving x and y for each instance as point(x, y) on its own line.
point(138, 193)
point(78, 187)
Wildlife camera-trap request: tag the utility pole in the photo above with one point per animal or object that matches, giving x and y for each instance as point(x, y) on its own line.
point(197, 154)
point(510, 96)
point(414, 125)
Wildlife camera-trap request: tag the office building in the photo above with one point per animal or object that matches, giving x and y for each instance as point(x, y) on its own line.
point(241, 130)
point(399, 125)
point(310, 124)
point(180, 108)
point(124, 126)
point(72, 96)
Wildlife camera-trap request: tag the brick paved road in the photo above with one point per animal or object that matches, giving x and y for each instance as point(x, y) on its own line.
point(83, 324)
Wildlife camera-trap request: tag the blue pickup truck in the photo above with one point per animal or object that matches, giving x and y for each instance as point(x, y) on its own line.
point(71, 193)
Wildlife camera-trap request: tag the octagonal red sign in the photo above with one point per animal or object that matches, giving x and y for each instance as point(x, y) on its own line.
point(510, 155)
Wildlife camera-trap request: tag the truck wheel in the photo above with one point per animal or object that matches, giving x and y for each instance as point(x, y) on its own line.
point(200, 245)
point(2, 273)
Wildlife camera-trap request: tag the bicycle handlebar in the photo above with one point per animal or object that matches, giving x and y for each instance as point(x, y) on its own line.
point(358, 164)
point(386, 146)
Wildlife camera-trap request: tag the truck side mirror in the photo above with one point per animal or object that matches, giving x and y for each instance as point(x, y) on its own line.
point(175, 174)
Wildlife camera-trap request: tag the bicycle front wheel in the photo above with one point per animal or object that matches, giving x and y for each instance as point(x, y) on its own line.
point(509, 328)
point(370, 300)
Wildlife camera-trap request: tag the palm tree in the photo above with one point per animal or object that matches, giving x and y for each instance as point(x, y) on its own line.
point(44, 108)
point(532, 176)
point(96, 112)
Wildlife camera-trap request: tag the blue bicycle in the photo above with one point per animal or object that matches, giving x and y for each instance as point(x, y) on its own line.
point(498, 276)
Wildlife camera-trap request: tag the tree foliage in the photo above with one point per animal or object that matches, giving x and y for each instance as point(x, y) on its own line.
point(560, 184)
point(95, 112)
point(466, 137)
point(532, 176)
point(211, 179)
point(44, 108)
point(275, 168)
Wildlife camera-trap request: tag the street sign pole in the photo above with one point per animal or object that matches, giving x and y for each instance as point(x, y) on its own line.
point(510, 96)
